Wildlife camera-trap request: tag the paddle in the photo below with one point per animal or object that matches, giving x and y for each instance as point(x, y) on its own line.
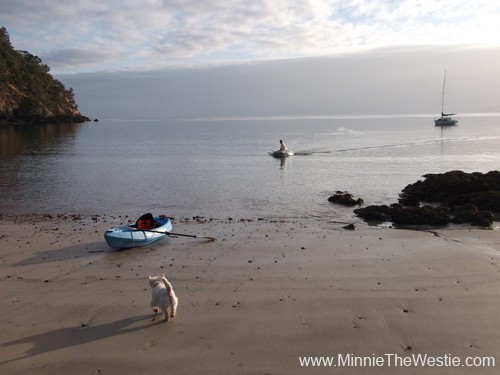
point(178, 234)
point(191, 235)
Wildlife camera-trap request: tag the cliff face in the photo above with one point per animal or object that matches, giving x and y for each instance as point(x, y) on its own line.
point(28, 93)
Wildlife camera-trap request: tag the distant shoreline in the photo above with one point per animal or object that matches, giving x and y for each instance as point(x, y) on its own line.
point(45, 120)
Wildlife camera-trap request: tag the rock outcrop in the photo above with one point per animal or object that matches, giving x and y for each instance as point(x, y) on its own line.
point(456, 188)
point(345, 199)
point(456, 197)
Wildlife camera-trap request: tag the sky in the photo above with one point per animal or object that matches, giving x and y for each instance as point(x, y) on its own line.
point(269, 57)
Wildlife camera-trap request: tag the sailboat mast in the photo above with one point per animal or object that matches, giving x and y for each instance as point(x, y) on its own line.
point(442, 100)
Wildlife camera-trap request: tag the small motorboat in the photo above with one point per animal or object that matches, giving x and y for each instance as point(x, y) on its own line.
point(278, 154)
point(146, 230)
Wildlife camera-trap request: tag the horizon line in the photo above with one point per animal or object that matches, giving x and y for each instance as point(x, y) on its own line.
point(304, 117)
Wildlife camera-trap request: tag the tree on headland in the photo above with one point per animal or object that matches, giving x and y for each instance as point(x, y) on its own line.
point(4, 38)
point(28, 92)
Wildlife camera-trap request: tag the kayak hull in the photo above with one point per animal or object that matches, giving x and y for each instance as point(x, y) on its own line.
point(127, 236)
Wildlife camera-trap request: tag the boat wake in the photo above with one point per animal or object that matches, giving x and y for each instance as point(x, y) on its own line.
point(418, 143)
point(311, 152)
point(394, 145)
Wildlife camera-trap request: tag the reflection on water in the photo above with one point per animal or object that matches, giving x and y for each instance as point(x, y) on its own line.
point(33, 138)
point(220, 169)
point(27, 153)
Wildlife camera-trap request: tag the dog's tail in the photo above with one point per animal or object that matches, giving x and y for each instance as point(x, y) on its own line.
point(171, 294)
point(167, 284)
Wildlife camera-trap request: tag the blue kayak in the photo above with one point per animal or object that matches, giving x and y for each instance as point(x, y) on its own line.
point(137, 234)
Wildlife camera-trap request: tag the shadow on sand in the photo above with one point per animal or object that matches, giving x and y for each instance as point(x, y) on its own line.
point(81, 251)
point(64, 254)
point(74, 336)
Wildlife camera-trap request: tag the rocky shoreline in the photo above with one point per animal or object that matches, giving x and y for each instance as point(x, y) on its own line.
point(452, 197)
point(62, 119)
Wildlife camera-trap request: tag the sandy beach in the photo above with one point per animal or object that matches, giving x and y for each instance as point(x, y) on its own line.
point(256, 301)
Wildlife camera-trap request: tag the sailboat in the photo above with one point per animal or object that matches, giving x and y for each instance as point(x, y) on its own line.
point(446, 119)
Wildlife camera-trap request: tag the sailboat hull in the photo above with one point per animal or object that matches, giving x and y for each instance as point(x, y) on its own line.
point(445, 121)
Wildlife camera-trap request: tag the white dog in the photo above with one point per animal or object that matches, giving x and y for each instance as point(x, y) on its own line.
point(163, 297)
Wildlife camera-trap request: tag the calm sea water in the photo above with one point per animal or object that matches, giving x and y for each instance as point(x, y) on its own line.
point(221, 168)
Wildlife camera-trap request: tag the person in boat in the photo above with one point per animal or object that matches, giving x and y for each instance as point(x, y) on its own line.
point(283, 147)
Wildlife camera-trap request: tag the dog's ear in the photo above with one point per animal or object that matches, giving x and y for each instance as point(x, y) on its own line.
point(149, 277)
point(162, 275)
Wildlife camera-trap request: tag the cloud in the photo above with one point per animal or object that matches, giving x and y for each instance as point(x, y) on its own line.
point(69, 58)
point(386, 81)
point(90, 35)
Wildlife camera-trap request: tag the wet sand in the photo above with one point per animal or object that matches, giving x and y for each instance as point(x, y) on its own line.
point(253, 302)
